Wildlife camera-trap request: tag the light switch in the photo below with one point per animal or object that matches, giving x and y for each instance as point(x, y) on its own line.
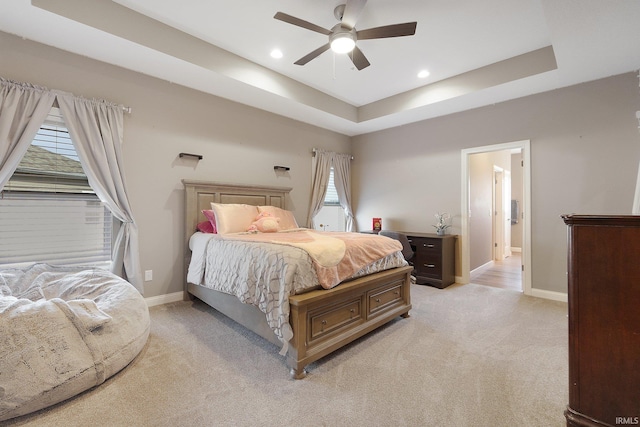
point(148, 275)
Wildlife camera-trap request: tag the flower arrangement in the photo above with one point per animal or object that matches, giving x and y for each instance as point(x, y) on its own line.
point(443, 222)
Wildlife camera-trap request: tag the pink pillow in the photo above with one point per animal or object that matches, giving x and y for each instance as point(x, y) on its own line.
point(211, 217)
point(265, 223)
point(287, 220)
point(205, 227)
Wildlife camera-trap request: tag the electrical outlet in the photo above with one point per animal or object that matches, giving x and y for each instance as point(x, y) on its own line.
point(148, 275)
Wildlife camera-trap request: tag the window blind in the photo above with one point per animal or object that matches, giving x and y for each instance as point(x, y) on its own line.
point(48, 211)
point(331, 198)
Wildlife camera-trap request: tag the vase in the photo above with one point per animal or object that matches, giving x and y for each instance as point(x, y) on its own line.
point(440, 231)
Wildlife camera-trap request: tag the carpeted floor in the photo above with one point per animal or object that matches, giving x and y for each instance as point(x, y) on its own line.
point(469, 355)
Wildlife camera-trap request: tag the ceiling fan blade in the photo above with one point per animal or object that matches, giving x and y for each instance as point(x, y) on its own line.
point(351, 13)
point(308, 57)
point(301, 23)
point(395, 30)
point(358, 59)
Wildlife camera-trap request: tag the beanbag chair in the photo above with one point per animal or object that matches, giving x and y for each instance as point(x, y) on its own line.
point(62, 331)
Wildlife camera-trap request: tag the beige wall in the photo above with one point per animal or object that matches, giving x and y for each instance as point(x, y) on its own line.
point(239, 144)
point(585, 150)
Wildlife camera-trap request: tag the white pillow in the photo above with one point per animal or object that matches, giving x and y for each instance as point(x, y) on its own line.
point(287, 220)
point(233, 217)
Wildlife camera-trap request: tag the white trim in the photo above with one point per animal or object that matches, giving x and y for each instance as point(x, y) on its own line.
point(552, 295)
point(165, 299)
point(525, 146)
point(515, 249)
point(482, 267)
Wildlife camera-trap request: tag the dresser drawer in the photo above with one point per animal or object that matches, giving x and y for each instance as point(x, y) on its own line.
point(426, 244)
point(428, 263)
point(385, 298)
point(325, 321)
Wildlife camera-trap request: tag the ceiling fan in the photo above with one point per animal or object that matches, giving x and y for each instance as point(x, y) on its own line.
point(343, 36)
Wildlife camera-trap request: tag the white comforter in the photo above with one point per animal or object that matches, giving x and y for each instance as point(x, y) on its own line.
point(262, 274)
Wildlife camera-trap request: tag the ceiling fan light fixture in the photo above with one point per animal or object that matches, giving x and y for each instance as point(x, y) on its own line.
point(342, 42)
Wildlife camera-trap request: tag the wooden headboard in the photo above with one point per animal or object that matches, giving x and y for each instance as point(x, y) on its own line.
point(200, 194)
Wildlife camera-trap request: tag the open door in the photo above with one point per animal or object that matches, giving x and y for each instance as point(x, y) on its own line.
point(498, 214)
point(525, 219)
point(506, 208)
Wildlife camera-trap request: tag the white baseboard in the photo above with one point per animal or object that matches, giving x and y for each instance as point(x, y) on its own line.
point(552, 295)
point(164, 299)
point(481, 268)
point(514, 249)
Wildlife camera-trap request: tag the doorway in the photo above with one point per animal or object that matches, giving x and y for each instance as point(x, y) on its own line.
point(524, 216)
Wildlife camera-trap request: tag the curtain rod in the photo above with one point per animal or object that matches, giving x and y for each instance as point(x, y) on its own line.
point(314, 153)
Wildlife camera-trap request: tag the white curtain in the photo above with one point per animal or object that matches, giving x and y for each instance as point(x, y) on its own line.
point(23, 108)
point(323, 160)
point(342, 181)
point(96, 129)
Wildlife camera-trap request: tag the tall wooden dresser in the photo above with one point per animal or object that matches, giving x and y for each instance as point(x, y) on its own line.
point(604, 320)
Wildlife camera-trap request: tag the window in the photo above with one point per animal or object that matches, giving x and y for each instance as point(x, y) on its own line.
point(331, 217)
point(331, 198)
point(48, 211)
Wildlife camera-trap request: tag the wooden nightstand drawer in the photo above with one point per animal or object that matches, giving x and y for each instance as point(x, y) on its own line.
point(428, 264)
point(425, 244)
point(325, 321)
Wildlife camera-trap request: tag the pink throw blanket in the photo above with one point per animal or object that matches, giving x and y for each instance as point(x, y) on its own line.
point(335, 255)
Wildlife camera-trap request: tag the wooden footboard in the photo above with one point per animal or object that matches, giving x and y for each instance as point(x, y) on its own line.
point(326, 320)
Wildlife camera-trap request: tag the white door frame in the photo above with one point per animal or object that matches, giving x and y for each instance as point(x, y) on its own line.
point(525, 146)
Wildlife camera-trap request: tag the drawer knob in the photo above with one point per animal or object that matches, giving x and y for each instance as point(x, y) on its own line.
point(430, 265)
point(377, 299)
point(324, 322)
point(396, 292)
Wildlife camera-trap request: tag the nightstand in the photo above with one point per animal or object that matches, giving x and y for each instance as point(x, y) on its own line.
point(434, 260)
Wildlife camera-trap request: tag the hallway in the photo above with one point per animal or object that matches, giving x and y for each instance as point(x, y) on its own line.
point(506, 274)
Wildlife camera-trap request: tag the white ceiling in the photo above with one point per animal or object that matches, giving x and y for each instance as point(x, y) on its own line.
point(478, 52)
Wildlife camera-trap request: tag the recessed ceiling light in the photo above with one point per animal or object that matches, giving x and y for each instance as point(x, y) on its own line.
point(423, 74)
point(276, 53)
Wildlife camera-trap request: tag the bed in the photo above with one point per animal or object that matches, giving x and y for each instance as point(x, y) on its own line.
point(321, 320)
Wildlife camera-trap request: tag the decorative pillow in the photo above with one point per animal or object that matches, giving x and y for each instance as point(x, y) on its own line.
point(211, 217)
point(287, 220)
point(205, 227)
point(233, 217)
point(265, 223)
